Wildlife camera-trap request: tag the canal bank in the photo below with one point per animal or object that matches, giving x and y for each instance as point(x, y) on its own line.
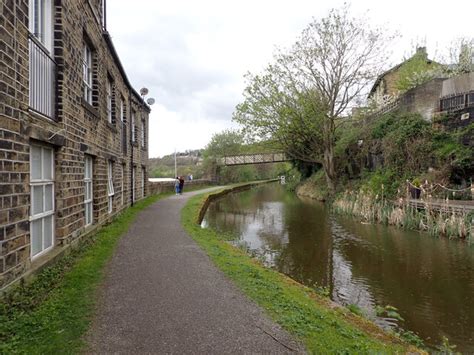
point(370, 267)
point(448, 218)
point(318, 322)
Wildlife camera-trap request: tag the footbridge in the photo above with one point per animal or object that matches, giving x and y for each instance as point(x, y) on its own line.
point(255, 158)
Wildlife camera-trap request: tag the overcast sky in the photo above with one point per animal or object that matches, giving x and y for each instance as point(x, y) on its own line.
point(192, 55)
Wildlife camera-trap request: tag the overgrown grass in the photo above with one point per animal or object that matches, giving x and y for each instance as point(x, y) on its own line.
point(375, 209)
point(51, 314)
point(321, 326)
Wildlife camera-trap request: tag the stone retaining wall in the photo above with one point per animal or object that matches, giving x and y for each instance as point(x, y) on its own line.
point(168, 186)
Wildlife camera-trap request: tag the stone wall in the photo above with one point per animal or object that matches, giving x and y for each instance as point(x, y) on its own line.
point(78, 129)
point(168, 186)
point(423, 99)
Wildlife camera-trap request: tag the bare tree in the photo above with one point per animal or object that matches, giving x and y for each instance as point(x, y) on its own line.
point(302, 97)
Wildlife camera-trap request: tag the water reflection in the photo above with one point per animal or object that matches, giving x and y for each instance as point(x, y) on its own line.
point(430, 281)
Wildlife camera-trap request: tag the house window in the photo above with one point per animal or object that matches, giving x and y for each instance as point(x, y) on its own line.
point(110, 186)
point(122, 179)
point(133, 127)
point(133, 184)
point(143, 134)
point(87, 73)
point(143, 182)
point(41, 22)
point(123, 127)
point(42, 199)
point(121, 111)
point(88, 207)
point(109, 101)
point(42, 67)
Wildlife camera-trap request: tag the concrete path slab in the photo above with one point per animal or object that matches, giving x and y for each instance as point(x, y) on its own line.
point(162, 295)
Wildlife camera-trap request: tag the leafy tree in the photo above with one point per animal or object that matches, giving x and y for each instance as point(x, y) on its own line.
point(460, 57)
point(225, 143)
point(416, 71)
point(303, 95)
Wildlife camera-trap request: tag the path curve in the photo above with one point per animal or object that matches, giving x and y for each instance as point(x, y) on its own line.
point(163, 295)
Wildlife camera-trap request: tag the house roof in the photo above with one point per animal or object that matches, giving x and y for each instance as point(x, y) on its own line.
point(419, 50)
point(117, 61)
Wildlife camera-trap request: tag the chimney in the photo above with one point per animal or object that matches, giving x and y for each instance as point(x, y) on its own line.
point(421, 51)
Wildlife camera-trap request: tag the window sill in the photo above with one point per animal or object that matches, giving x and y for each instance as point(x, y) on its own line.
point(112, 127)
point(89, 108)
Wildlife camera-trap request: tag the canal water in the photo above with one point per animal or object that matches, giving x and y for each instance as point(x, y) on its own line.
point(429, 281)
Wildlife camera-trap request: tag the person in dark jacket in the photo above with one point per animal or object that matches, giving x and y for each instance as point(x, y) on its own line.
point(181, 184)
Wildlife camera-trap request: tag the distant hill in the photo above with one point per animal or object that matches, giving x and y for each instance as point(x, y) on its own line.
point(187, 162)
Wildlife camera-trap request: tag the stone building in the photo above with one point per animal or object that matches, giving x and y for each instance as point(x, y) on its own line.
point(73, 131)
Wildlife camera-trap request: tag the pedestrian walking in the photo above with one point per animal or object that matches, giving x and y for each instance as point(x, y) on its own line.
point(176, 186)
point(181, 184)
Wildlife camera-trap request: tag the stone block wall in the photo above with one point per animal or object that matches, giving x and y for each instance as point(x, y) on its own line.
point(77, 130)
point(168, 186)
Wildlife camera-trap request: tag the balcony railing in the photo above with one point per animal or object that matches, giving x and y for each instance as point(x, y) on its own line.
point(42, 79)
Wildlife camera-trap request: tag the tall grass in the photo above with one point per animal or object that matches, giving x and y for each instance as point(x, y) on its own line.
point(375, 209)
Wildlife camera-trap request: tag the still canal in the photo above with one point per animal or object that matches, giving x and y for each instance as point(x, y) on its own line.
point(429, 281)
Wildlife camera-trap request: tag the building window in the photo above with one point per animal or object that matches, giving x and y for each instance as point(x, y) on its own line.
point(122, 179)
point(143, 181)
point(143, 134)
point(42, 67)
point(87, 73)
point(88, 193)
point(110, 185)
point(109, 101)
point(121, 111)
point(103, 13)
point(132, 119)
point(41, 22)
point(133, 184)
point(42, 199)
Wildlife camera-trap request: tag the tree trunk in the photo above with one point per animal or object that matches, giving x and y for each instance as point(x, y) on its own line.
point(328, 164)
point(328, 161)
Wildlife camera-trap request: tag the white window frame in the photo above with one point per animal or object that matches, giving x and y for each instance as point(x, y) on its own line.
point(134, 183)
point(122, 116)
point(143, 134)
point(41, 22)
point(132, 119)
point(123, 184)
point(41, 183)
point(87, 73)
point(110, 186)
point(143, 182)
point(88, 181)
point(109, 100)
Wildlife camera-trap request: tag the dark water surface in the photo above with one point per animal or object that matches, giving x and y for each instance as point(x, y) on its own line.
point(430, 281)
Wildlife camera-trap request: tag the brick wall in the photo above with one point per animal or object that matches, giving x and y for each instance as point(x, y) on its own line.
point(76, 130)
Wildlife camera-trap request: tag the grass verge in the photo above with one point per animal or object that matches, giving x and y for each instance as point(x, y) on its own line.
point(51, 313)
point(317, 322)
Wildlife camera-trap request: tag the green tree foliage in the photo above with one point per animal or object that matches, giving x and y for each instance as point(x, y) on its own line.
point(409, 147)
point(416, 71)
point(228, 142)
point(300, 99)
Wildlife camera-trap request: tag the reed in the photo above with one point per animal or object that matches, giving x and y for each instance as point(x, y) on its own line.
point(373, 208)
